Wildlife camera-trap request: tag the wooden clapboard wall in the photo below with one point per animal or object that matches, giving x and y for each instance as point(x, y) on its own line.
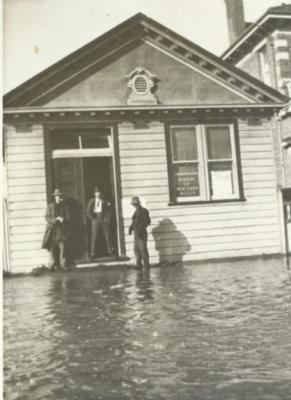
point(207, 230)
point(26, 196)
point(180, 232)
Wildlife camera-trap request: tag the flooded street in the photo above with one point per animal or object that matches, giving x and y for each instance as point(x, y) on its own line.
point(213, 331)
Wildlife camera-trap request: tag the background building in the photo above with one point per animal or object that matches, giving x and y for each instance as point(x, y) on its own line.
point(263, 49)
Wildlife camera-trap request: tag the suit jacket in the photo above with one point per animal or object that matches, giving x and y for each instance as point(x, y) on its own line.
point(54, 226)
point(106, 210)
point(140, 221)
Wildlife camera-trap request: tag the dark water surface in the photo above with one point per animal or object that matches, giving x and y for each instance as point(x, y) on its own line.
point(217, 331)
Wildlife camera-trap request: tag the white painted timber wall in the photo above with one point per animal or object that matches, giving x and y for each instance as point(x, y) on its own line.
point(26, 196)
point(203, 231)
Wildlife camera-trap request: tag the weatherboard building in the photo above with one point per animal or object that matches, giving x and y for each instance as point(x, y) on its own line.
point(143, 111)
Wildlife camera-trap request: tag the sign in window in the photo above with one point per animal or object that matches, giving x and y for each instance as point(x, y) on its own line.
point(203, 163)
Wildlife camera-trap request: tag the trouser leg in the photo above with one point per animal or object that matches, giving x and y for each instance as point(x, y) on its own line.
point(62, 254)
point(144, 252)
point(54, 256)
point(94, 233)
point(107, 236)
point(137, 252)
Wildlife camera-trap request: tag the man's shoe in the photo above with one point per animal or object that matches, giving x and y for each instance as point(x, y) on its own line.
point(138, 267)
point(53, 267)
point(92, 258)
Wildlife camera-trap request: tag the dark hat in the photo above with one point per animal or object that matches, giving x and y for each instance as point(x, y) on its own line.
point(57, 192)
point(135, 201)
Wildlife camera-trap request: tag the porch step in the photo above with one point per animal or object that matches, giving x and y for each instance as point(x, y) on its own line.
point(106, 261)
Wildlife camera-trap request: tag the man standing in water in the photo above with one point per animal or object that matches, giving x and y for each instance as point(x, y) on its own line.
point(99, 212)
point(57, 232)
point(140, 221)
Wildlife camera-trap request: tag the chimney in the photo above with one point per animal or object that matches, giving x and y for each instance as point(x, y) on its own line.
point(235, 19)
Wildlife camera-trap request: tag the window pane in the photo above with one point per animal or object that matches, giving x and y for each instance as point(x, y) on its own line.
point(95, 139)
point(221, 179)
point(61, 140)
point(218, 142)
point(184, 143)
point(186, 179)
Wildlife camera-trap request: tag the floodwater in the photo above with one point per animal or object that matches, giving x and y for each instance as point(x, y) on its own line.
point(213, 331)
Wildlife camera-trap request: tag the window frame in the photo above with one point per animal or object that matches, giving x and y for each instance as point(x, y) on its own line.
point(204, 178)
point(84, 151)
point(198, 161)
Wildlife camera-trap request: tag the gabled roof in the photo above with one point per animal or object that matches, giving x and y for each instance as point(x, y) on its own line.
point(274, 18)
point(62, 75)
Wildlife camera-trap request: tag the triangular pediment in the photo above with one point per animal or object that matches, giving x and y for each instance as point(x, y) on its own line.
point(97, 74)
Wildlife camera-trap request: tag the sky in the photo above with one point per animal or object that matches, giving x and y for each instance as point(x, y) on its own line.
point(38, 33)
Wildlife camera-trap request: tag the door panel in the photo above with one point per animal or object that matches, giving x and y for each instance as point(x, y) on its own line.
point(68, 177)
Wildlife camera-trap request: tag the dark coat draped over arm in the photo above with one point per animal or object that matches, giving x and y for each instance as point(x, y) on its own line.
point(51, 219)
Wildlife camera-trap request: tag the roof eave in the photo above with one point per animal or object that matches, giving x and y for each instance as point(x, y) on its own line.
point(250, 31)
point(29, 110)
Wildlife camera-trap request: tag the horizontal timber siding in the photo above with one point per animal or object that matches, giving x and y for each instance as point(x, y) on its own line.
point(26, 194)
point(202, 231)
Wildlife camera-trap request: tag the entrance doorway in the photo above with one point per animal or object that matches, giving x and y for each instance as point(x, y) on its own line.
point(82, 157)
point(76, 178)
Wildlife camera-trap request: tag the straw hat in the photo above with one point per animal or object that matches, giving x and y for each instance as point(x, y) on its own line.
point(135, 201)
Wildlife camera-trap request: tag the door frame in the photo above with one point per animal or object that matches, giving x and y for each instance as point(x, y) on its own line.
point(113, 154)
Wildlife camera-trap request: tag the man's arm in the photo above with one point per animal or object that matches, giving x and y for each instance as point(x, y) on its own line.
point(147, 217)
point(131, 226)
point(49, 215)
point(89, 209)
point(144, 219)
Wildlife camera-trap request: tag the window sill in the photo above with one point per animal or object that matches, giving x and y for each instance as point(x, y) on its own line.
point(188, 203)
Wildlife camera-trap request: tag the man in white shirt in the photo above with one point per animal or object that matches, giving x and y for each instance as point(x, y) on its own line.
point(100, 214)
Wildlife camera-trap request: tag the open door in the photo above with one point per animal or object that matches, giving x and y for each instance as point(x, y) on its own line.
point(76, 178)
point(68, 177)
point(97, 171)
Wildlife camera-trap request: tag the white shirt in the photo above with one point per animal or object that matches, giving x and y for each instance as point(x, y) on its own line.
point(98, 206)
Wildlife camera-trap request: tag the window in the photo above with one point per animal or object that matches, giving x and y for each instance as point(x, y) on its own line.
point(81, 143)
point(185, 163)
point(203, 165)
point(265, 67)
point(97, 139)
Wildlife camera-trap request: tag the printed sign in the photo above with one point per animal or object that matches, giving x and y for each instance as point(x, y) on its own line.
point(221, 183)
point(187, 185)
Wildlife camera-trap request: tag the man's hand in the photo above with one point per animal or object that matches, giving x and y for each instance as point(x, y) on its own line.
point(60, 219)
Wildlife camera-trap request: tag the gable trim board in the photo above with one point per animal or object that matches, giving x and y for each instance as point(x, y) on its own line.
point(25, 110)
point(62, 115)
point(144, 29)
point(251, 100)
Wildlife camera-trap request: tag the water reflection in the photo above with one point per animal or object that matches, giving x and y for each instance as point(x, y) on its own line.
point(144, 285)
point(197, 332)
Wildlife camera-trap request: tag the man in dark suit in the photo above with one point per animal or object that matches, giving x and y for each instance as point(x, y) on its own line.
point(99, 211)
point(57, 231)
point(140, 221)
